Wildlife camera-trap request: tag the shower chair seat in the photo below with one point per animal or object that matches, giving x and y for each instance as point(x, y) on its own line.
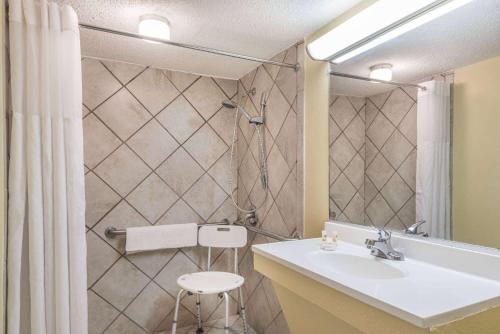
point(215, 282)
point(210, 282)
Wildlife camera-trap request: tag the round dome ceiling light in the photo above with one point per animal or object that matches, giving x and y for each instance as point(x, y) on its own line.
point(381, 72)
point(156, 26)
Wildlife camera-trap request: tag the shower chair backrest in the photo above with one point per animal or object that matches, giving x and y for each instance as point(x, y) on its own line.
point(222, 236)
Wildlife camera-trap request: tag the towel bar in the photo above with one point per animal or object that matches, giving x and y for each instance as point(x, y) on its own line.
point(112, 232)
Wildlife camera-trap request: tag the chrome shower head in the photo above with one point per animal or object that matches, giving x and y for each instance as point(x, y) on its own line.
point(229, 104)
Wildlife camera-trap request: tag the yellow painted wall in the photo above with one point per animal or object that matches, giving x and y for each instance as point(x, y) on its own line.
point(476, 153)
point(316, 94)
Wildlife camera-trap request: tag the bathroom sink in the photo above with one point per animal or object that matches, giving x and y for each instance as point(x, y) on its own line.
point(437, 282)
point(354, 265)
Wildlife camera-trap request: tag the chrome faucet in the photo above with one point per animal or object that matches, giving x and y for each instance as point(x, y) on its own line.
point(382, 247)
point(413, 229)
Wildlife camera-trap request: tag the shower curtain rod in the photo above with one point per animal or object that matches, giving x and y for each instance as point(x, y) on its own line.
point(357, 77)
point(190, 46)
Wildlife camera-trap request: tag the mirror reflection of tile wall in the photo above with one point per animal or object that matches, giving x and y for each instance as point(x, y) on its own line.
point(373, 158)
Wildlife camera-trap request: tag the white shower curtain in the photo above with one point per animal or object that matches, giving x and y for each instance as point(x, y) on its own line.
point(46, 272)
point(433, 158)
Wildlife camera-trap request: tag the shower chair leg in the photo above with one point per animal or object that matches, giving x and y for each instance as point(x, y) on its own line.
point(242, 310)
point(199, 330)
point(176, 312)
point(226, 322)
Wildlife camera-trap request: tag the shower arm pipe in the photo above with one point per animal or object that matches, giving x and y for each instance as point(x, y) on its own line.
point(190, 46)
point(112, 232)
point(394, 83)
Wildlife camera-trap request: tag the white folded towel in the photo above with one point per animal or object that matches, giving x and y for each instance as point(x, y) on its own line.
point(148, 238)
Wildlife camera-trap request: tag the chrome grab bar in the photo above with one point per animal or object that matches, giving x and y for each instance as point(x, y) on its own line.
point(112, 232)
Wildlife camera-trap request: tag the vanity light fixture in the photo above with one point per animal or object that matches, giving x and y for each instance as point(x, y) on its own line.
point(381, 72)
point(156, 26)
point(376, 24)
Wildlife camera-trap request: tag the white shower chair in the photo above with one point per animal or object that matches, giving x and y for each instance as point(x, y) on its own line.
point(215, 282)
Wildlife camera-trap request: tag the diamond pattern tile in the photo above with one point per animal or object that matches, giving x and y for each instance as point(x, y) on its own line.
point(380, 130)
point(122, 216)
point(180, 171)
point(153, 143)
point(123, 71)
point(379, 171)
point(342, 191)
point(123, 325)
point(262, 84)
point(287, 139)
point(222, 122)
point(276, 111)
point(396, 192)
point(150, 307)
point(143, 165)
point(383, 170)
point(229, 87)
point(98, 142)
point(100, 313)
point(180, 213)
point(396, 149)
point(153, 89)
point(379, 211)
point(205, 96)
point(152, 198)
point(342, 151)
point(100, 257)
point(397, 105)
point(179, 265)
point(121, 284)
point(343, 112)
point(205, 196)
point(181, 80)
point(98, 83)
point(123, 114)
point(205, 146)
point(122, 170)
point(99, 199)
point(180, 119)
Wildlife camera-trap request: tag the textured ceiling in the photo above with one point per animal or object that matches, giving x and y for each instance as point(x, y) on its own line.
point(464, 36)
point(259, 28)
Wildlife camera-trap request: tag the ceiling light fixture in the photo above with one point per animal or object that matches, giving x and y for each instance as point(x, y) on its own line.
point(156, 26)
point(381, 72)
point(378, 23)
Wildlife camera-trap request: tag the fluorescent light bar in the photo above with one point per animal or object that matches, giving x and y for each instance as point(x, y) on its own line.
point(380, 22)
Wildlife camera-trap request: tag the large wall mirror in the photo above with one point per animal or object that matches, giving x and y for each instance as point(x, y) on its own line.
point(430, 150)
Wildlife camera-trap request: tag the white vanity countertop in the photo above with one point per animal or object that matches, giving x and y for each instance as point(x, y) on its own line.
point(422, 293)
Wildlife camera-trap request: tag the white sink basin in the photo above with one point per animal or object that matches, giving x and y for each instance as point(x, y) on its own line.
point(438, 282)
point(356, 266)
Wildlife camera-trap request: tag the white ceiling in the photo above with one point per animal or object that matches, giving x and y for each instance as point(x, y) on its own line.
point(464, 36)
point(260, 28)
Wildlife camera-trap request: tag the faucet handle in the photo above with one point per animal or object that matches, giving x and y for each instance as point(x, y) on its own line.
point(413, 229)
point(383, 235)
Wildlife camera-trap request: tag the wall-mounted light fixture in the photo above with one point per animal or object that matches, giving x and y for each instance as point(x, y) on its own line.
point(378, 23)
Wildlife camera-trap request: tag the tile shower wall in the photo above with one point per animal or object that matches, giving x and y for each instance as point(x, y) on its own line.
point(391, 139)
point(373, 158)
point(156, 152)
point(283, 141)
point(347, 158)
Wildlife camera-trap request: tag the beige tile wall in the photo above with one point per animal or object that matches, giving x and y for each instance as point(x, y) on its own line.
point(372, 158)
point(391, 139)
point(156, 152)
point(281, 212)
